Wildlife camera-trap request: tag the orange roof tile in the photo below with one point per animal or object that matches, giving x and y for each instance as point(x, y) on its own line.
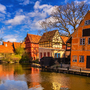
point(34, 38)
point(23, 44)
point(18, 44)
point(7, 47)
point(8, 43)
point(64, 38)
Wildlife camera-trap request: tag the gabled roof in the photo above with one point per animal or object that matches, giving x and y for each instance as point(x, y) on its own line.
point(34, 38)
point(64, 38)
point(48, 36)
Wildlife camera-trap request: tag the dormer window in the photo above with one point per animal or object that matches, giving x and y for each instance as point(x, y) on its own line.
point(87, 22)
point(5, 45)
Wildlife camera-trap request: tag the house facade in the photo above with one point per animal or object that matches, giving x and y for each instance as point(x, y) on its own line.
point(52, 44)
point(32, 45)
point(80, 46)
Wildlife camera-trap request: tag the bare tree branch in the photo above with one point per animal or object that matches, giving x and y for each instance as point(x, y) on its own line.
point(66, 18)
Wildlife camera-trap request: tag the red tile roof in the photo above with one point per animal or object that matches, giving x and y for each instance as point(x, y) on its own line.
point(34, 38)
point(48, 36)
point(7, 47)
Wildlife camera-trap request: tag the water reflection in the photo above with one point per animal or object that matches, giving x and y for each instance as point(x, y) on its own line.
point(25, 77)
point(33, 79)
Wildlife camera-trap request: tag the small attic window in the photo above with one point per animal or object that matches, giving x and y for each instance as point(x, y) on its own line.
point(87, 22)
point(5, 45)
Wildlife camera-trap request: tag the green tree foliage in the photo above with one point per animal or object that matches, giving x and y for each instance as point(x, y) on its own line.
point(19, 50)
point(25, 58)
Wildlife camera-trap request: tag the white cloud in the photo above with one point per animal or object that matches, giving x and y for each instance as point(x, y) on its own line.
point(26, 2)
point(36, 5)
point(45, 7)
point(2, 8)
point(30, 20)
point(40, 13)
point(2, 16)
point(16, 31)
point(78, 2)
point(10, 5)
point(2, 30)
point(9, 27)
point(66, 1)
point(11, 38)
point(17, 20)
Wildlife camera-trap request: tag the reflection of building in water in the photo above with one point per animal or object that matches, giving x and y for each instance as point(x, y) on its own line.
point(56, 86)
point(34, 79)
point(6, 72)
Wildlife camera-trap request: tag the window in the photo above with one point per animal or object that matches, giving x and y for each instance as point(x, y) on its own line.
point(74, 58)
point(40, 55)
point(57, 55)
point(82, 41)
point(86, 32)
point(44, 54)
point(87, 22)
point(88, 40)
point(48, 53)
point(81, 58)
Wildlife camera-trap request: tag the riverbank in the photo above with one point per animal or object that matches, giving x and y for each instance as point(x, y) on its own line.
point(64, 69)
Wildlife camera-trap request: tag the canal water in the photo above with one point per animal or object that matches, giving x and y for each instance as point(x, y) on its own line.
point(25, 77)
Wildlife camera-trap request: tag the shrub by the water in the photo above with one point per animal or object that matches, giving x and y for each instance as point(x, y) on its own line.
point(25, 58)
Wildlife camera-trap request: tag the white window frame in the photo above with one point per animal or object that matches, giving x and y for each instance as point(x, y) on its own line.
point(83, 41)
point(74, 58)
point(82, 58)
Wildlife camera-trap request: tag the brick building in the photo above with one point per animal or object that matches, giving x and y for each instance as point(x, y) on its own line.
point(32, 45)
point(80, 45)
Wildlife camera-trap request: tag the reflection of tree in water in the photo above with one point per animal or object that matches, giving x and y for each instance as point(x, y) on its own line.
point(18, 69)
point(26, 66)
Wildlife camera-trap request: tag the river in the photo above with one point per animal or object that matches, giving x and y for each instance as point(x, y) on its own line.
point(25, 77)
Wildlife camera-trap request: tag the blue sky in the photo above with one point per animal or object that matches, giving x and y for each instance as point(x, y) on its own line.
point(17, 17)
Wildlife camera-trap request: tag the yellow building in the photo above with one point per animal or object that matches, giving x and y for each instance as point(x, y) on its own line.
point(52, 44)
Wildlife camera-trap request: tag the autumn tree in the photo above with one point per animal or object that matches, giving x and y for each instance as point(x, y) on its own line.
point(65, 18)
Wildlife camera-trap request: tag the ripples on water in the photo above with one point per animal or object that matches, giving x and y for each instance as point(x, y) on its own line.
point(24, 77)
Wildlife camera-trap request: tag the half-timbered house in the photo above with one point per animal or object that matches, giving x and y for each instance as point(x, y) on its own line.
point(80, 45)
point(52, 44)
